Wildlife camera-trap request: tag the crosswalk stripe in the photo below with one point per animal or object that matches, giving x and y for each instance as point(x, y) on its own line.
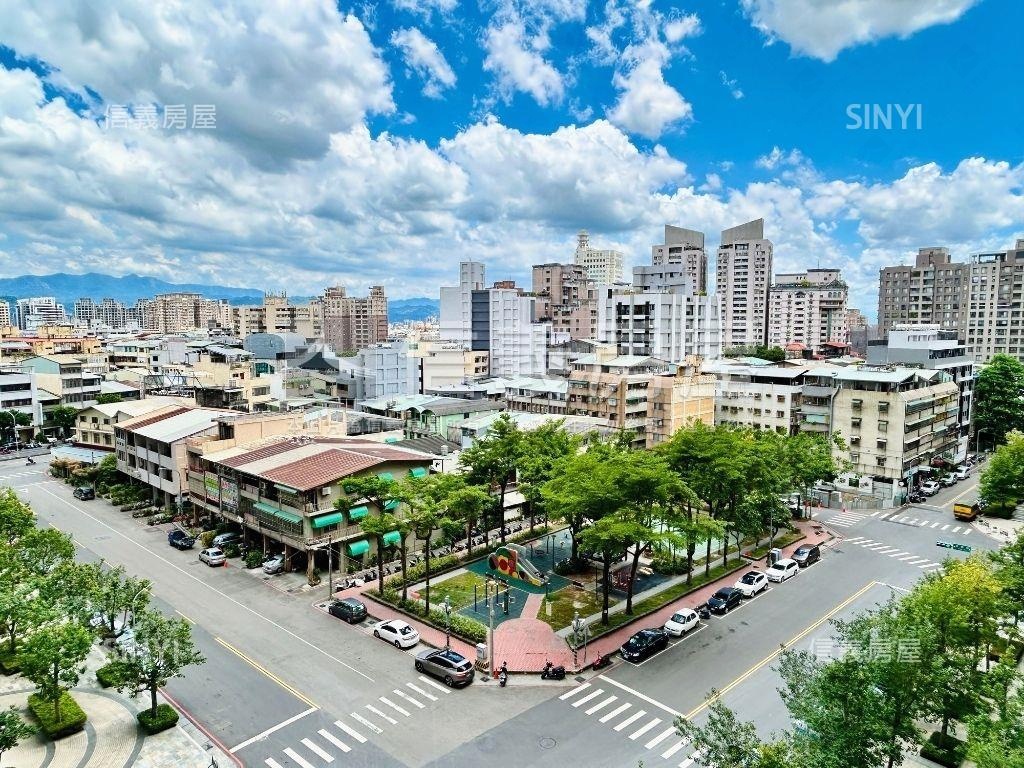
point(945, 527)
point(876, 513)
point(864, 543)
point(272, 763)
point(854, 540)
point(926, 564)
point(390, 703)
point(602, 704)
point(935, 524)
point(908, 557)
point(421, 692)
point(674, 748)
point(690, 760)
point(592, 695)
point(967, 529)
point(915, 560)
point(407, 697)
point(615, 712)
point(956, 530)
point(659, 738)
point(381, 714)
point(644, 729)
point(574, 691)
point(334, 740)
point(350, 731)
point(316, 750)
point(910, 522)
point(897, 553)
point(360, 719)
point(298, 758)
point(435, 684)
point(894, 518)
point(630, 720)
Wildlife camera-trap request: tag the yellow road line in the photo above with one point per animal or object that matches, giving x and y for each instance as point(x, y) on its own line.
point(959, 496)
point(697, 710)
point(259, 667)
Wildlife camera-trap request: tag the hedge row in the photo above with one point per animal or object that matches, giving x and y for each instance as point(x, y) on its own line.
point(944, 750)
point(72, 718)
point(461, 626)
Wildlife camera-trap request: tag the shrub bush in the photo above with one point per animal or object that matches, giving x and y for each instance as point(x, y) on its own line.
point(231, 550)
point(166, 717)
point(944, 750)
point(72, 718)
point(253, 558)
point(1002, 511)
point(9, 664)
point(463, 626)
point(665, 564)
point(417, 572)
point(109, 675)
point(206, 538)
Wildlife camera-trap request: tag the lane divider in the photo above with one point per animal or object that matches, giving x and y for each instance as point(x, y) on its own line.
point(260, 668)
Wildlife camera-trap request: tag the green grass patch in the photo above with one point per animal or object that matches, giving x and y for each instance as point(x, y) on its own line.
point(566, 602)
point(458, 589)
point(166, 717)
point(109, 675)
point(9, 664)
point(72, 718)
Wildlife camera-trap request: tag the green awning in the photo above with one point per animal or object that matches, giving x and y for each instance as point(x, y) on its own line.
point(390, 439)
point(418, 471)
point(331, 518)
point(285, 488)
point(358, 513)
point(392, 539)
point(357, 548)
point(385, 476)
point(390, 505)
point(278, 513)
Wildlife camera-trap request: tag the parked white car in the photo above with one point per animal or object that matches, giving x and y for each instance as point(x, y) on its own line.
point(682, 621)
point(930, 487)
point(212, 556)
point(274, 563)
point(397, 632)
point(963, 473)
point(782, 570)
point(751, 583)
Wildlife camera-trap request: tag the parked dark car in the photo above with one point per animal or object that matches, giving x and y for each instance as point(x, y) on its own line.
point(349, 609)
point(725, 599)
point(644, 643)
point(85, 494)
point(179, 539)
point(807, 554)
point(451, 667)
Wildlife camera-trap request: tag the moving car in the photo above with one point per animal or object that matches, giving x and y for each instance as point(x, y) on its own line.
point(930, 487)
point(212, 556)
point(782, 570)
point(84, 494)
point(966, 512)
point(179, 539)
point(682, 621)
point(751, 583)
point(643, 643)
point(724, 600)
point(351, 610)
point(397, 632)
point(274, 563)
point(451, 667)
point(807, 554)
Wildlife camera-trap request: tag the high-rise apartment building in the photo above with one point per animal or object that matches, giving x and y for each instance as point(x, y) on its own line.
point(808, 308)
point(933, 290)
point(567, 298)
point(5, 314)
point(684, 247)
point(353, 322)
point(456, 311)
point(108, 313)
point(996, 304)
point(604, 267)
point(40, 310)
point(743, 274)
point(179, 312)
point(276, 315)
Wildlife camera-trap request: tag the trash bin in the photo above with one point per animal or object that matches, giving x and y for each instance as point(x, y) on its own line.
point(774, 555)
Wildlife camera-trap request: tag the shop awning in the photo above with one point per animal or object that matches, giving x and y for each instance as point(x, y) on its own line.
point(418, 471)
point(385, 476)
point(390, 439)
point(357, 548)
point(392, 539)
point(358, 513)
point(331, 518)
point(390, 505)
point(280, 514)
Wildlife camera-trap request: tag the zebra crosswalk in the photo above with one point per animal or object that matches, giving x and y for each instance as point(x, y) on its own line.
point(623, 714)
point(845, 518)
point(329, 743)
point(909, 518)
point(881, 548)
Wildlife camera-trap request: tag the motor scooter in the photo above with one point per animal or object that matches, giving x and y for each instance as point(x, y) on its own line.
point(551, 672)
point(601, 661)
point(503, 674)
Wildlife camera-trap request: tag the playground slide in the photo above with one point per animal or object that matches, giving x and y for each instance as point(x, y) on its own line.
point(512, 560)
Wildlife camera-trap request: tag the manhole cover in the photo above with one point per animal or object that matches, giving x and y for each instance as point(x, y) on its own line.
point(547, 743)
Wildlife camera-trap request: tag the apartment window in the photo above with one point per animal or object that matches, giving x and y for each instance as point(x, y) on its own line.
point(883, 407)
point(880, 461)
point(883, 426)
point(881, 444)
point(855, 423)
point(855, 440)
point(856, 404)
point(855, 458)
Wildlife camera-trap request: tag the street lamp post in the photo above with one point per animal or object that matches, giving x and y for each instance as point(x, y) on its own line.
point(977, 439)
point(447, 621)
point(131, 603)
point(490, 626)
point(577, 626)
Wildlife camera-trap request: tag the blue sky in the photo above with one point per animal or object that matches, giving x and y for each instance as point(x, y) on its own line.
point(384, 142)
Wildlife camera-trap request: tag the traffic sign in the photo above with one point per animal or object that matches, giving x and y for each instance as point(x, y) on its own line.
point(954, 545)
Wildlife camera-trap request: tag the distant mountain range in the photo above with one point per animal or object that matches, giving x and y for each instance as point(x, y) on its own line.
point(68, 288)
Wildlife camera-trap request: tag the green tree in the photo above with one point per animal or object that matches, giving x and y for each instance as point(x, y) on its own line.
point(41, 550)
point(1002, 481)
point(1008, 569)
point(63, 417)
point(21, 610)
point(382, 493)
point(106, 471)
point(543, 449)
point(999, 399)
point(13, 730)
point(116, 595)
point(493, 460)
point(162, 648)
point(998, 742)
point(609, 536)
point(468, 504)
point(726, 742)
point(108, 397)
point(52, 657)
point(16, 517)
point(428, 500)
point(10, 421)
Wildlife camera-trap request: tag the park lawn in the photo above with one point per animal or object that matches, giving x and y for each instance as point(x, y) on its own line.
point(458, 589)
point(564, 606)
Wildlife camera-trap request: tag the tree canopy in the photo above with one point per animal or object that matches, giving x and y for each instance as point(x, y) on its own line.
point(999, 399)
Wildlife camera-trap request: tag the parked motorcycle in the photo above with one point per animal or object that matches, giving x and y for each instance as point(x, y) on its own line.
point(601, 661)
point(551, 672)
point(703, 611)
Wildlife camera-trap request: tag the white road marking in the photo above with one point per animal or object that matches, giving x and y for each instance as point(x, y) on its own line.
point(927, 565)
point(602, 704)
point(360, 719)
point(945, 527)
point(935, 524)
point(915, 560)
point(876, 513)
point(659, 738)
point(674, 748)
point(574, 691)
point(908, 557)
point(381, 714)
point(350, 731)
point(855, 539)
point(956, 530)
point(390, 703)
point(421, 692)
point(690, 760)
point(272, 763)
point(615, 712)
point(273, 729)
point(630, 720)
point(325, 756)
point(297, 758)
point(334, 740)
point(639, 695)
point(897, 553)
point(967, 529)
point(644, 729)
point(894, 518)
point(440, 687)
point(407, 697)
point(592, 695)
point(910, 522)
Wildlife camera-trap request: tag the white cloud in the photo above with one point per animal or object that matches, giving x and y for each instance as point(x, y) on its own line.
point(423, 57)
point(777, 158)
point(647, 104)
point(823, 28)
point(517, 61)
point(682, 27)
point(735, 91)
point(427, 8)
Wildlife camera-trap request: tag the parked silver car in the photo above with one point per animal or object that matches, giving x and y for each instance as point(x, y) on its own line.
point(451, 667)
point(212, 556)
point(274, 563)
